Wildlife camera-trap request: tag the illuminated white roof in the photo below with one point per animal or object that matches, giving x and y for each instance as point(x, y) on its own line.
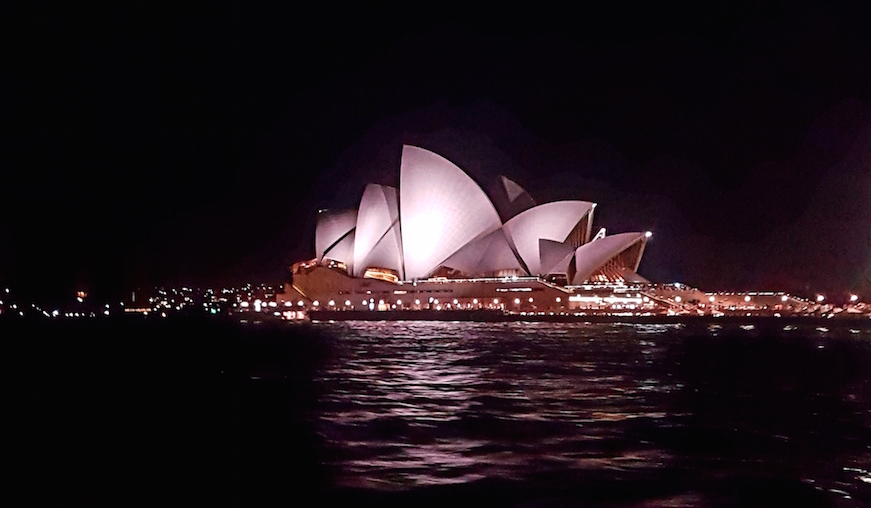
point(441, 217)
point(378, 214)
point(342, 251)
point(490, 253)
point(555, 256)
point(507, 197)
point(550, 221)
point(591, 256)
point(332, 225)
point(385, 254)
point(513, 189)
point(441, 210)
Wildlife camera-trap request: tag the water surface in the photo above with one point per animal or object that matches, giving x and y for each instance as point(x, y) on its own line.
point(682, 415)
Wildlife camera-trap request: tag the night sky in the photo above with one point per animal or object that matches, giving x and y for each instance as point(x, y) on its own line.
point(194, 145)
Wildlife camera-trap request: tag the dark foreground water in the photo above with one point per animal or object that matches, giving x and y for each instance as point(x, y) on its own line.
point(204, 412)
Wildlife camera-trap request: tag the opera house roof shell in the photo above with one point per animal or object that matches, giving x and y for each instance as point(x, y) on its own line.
point(441, 219)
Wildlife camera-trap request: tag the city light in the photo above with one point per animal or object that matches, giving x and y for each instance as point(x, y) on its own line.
point(631, 298)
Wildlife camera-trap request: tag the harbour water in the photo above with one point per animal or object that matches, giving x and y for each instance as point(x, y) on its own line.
point(139, 412)
point(602, 413)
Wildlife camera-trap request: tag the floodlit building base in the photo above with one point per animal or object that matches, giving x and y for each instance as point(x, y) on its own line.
point(329, 288)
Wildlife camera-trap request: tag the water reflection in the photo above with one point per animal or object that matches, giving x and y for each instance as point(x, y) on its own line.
point(445, 402)
point(407, 404)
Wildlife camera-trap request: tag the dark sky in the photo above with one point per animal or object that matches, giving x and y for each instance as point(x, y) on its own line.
point(194, 145)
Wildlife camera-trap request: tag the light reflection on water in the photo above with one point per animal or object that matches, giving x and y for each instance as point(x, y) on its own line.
point(449, 402)
point(407, 404)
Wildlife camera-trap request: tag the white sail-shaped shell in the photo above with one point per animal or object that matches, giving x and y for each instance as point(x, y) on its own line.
point(342, 251)
point(592, 256)
point(441, 210)
point(513, 189)
point(385, 254)
point(331, 227)
point(378, 214)
point(555, 256)
point(550, 221)
point(486, 255)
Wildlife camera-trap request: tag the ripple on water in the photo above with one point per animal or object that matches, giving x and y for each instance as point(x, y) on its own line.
point(408, 404)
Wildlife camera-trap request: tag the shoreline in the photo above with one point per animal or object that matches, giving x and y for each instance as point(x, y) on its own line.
point(487, 316)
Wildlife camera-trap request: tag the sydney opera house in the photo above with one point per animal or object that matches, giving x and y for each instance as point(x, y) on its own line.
point(442, 241)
